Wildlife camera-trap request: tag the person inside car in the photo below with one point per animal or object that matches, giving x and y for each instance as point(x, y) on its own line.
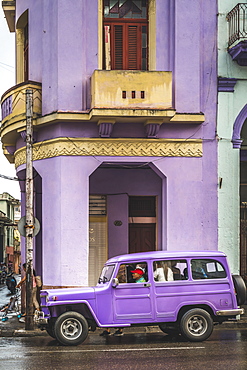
point(163, 272)
point(137, 275)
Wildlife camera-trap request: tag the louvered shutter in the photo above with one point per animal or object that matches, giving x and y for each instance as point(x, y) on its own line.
point(118, 47)
point(97, 248)
point(132, 41)
point(126, 46)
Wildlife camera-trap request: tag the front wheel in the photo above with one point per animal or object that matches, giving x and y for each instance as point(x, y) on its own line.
point(50, 329)
point(71, 328)
point(196, 325)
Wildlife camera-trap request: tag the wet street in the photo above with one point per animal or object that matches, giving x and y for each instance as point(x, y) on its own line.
point(225, 349)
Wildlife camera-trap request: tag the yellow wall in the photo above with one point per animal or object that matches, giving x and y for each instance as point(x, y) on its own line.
point(107, 88)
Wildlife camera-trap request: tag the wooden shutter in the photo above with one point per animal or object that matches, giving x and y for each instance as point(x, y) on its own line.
point(118, 47)
point(132, 41)
point(126, 45)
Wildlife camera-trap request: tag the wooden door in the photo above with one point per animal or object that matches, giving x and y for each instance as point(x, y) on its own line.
point(141, 237)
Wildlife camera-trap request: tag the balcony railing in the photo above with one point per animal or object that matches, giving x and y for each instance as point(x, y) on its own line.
point(237, 19)
point(13, 102)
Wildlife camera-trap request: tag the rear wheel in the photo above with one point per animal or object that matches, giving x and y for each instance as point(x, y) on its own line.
point(196, 325)
point(240, 288)
point(71, 328)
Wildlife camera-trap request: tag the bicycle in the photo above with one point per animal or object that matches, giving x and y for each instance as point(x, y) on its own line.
point(13, 308)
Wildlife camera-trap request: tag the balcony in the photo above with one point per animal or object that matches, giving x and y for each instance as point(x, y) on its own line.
point(116, 96)
point(121, 95)
point(13, 105)
point(145, 95)
point(237, 43)
point(131, 90)
point(9, 12)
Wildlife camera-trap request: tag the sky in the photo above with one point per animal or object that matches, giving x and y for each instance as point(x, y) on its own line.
point(7, 80)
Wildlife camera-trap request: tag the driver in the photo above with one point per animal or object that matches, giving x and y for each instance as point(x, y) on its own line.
point(137, 275)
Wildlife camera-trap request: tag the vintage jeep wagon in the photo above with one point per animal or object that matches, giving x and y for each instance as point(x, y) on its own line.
point(181, 292)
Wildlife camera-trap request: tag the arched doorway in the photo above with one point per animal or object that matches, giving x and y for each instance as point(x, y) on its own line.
point(130, 214)
point(239, 140)
point(243, 201)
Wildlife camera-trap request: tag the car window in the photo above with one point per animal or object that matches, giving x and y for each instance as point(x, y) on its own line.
point(170, 270)
point(106, 274)
point(134, 272)
point(207, 269)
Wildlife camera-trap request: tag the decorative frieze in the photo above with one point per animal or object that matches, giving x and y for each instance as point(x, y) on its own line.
point(112, 147)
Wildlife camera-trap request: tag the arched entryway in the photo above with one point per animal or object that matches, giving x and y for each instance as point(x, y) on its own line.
point(125, 211)
point(239, 140)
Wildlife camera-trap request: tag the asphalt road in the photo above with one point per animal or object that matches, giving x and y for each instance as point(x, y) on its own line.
point(225, 349)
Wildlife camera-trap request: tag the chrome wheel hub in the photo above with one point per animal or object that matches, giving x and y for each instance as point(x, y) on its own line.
point(71, 328)
point(197, 325)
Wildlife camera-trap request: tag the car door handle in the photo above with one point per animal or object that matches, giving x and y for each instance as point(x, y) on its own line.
point(147, 285)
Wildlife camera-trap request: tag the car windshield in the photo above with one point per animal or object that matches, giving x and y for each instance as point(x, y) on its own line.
point(106, 274)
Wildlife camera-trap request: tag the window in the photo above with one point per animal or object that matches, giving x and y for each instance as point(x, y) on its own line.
point(126, 34)
point(22, 48)
point(106, 274)
point(142, 206)
point(125, 273)
point(26, 46)
point(207, 269)
point(170, 270)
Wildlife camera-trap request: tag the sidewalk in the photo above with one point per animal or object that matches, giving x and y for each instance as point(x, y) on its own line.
point(13, 328)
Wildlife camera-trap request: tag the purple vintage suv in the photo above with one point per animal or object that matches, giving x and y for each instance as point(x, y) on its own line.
point(181, 292)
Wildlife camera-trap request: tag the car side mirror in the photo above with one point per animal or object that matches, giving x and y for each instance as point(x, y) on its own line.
point(115, 282)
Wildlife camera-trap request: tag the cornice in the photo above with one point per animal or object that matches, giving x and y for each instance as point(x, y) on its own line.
point(65, 146)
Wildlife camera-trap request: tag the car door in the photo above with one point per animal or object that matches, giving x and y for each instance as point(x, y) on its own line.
point(170, 288)
point(132, 301)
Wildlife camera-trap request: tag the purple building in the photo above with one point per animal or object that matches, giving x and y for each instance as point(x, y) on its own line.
point(124, 154)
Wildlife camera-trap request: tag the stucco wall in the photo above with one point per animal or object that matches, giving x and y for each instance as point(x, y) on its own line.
point(229, 106)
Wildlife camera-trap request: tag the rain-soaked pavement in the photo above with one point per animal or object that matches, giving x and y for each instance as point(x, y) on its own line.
point(225, 349)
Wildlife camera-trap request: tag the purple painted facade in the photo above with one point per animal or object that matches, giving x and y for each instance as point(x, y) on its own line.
point(63, 54)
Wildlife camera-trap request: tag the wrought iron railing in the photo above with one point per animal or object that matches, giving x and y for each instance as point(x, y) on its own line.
point(237, 19)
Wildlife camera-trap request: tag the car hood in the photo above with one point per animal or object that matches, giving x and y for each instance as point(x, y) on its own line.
point(68, 294)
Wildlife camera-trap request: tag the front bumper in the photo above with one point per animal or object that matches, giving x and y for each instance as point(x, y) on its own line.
point(234, 312)
point(40, 319)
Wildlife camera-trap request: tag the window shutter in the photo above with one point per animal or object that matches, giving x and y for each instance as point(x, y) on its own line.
point(132, 47)
point(125, 49)
point(97, 248)
point(118, 46)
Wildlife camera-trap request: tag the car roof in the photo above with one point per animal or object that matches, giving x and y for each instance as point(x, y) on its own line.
point(164, 254)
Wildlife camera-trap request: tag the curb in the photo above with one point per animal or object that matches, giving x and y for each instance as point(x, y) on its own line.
point(29, 333)
point(22, 333)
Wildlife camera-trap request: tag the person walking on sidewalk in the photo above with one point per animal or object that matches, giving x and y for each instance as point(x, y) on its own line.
point(35, 302)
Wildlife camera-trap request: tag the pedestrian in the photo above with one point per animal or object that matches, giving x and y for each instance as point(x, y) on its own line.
point(23, 280)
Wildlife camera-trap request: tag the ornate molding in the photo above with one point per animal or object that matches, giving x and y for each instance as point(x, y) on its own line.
point(112, 147)
point(239, 53)
point(226, 84)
